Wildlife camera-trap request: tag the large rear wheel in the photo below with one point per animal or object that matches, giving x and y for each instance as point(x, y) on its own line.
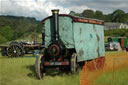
point(74, 67)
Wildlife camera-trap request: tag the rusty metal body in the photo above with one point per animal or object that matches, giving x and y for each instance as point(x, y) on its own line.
point(70, 41)
point(85, 36)
point(23, 48)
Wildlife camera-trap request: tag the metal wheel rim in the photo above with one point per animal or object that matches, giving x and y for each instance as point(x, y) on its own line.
point(14, 51)
point(73, 63)
point(38, 69)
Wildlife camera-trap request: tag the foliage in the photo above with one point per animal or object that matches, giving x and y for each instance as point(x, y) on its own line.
point(74, 14)
point(12, 27)
point(116, 16)
point(20, 25)
point(88, 13)
point(117, 33)
point(34, 35)
point(2, 39)
point(107, 18)
point(124, 18)
point(40, 27)
point(99, 15)
point(6, 32)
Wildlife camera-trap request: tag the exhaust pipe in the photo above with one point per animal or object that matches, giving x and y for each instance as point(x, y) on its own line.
point(57, 47)
point(55, 20)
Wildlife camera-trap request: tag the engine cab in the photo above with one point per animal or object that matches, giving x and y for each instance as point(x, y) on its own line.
point(69, 41)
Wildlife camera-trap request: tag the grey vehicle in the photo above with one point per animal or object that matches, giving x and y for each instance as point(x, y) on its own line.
point(112, 46)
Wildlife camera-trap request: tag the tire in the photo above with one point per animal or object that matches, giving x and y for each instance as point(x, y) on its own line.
point(15, 50)
point(74, 67)
point(39, 68)
point(13, 43)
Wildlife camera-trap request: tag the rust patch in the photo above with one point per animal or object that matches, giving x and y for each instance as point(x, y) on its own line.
point(63, 29)
point(98, 51)
point(98, 38)
point(81, 41)
point(80, 30)
point(81, 53)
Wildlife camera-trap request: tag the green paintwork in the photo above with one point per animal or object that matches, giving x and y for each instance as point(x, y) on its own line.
point(89, 40)
point(65, 31)
point(125, 42)
point(113, 39)
point(86, 39)
point(118, 39)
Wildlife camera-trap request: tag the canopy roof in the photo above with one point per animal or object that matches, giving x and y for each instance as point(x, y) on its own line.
point(79, 19)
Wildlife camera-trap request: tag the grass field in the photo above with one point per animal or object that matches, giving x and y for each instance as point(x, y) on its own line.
point(20, 71)
point(115, 71)
point(119, 77)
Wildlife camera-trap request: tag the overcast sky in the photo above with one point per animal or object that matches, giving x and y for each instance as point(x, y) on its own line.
point(42, 8)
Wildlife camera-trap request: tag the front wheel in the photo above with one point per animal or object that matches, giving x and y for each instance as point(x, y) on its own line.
point(74, 67)
point(39, 68)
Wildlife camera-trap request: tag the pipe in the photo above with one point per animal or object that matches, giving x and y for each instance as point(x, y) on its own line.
point(55, 20)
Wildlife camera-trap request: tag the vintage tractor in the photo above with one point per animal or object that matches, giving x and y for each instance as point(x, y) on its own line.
point(121, 40)
point(19, 49)
point(69, 41)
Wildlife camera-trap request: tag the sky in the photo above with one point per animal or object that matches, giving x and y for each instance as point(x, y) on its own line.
point(42, 8)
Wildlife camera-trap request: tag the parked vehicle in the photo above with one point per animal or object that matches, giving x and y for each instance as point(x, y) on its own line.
point(18, 49)
point(113, 46)
point(70, 41)
point(122, 40)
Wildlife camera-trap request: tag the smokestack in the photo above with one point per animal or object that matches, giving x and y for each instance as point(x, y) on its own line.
point(55, 20)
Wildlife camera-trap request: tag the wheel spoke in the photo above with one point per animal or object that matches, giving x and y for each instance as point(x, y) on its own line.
point(14, 50)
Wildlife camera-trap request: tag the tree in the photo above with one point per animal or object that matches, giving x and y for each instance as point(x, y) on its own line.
point(19, 25)
point(72, 13)
point(2, 39)
point(40, 27)
point(117, 33)
point(88, 13)
point(123, 18)
point(107, 18)
point(116, 15)
point(6, 32)
point(99, 15)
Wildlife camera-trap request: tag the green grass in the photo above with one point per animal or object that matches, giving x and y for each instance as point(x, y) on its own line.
point(119, 77)
point(20, 71)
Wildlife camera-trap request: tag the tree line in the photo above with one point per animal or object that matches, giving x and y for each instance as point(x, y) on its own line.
point(118, 15)
point(117, 33)
point(13, 27)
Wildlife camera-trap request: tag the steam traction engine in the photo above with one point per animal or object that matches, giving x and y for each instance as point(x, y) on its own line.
point(68, 41)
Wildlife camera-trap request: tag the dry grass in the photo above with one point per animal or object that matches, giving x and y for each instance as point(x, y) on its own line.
point(116, 67)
